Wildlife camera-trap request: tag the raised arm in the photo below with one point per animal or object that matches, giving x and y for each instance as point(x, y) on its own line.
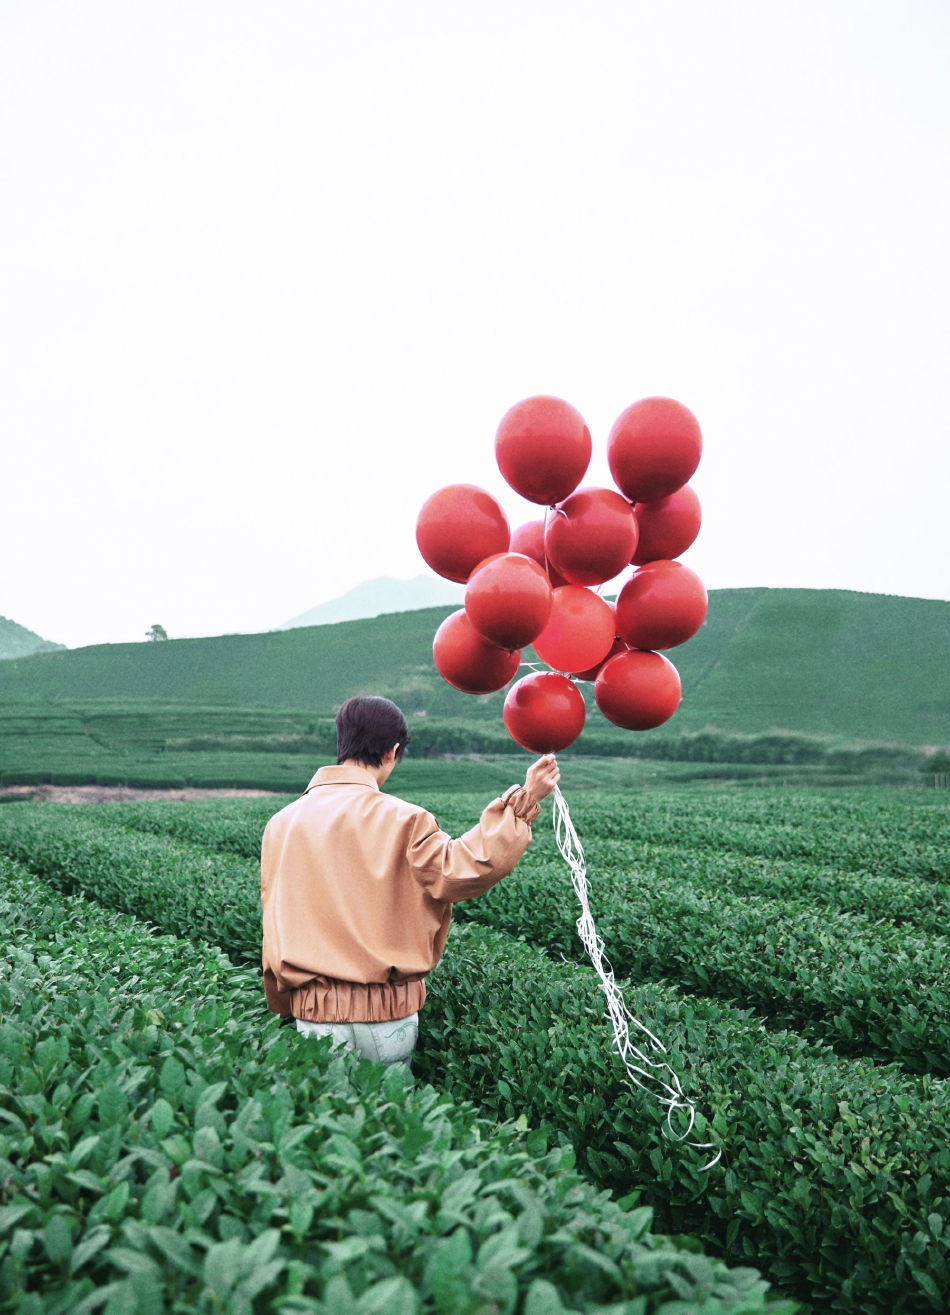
point(453, 870)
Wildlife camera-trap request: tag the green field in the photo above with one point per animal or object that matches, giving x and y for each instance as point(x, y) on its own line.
point(796, 686)
point(789, 946)
point(823, 662)
point(156, 745)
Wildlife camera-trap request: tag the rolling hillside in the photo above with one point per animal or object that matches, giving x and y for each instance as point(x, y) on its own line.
point(826, 662)
point(16, 641)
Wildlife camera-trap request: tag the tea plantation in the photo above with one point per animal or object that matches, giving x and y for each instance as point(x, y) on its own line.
point(167, 1145)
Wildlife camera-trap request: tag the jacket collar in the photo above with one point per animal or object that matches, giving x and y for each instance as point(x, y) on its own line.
point(343, 776)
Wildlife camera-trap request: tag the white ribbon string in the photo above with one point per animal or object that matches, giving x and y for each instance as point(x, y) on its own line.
point(655, 1077)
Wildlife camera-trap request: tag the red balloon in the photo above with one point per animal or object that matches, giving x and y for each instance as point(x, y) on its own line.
point(592, 536)
point(544, 712)
point(667, 527)
point(580, 631)
point(458, 527)
point(543, 448)
point(654, 448)
point(467, 661)
point(508, 600)
point(529, 539)
point(637, 690)
point(661, 605)
point(593, 672)
point(618, 646)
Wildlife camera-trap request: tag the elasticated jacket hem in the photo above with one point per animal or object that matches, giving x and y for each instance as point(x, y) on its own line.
point(325, 1000)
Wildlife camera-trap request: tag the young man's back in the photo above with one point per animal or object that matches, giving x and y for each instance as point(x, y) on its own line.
point(357, 886)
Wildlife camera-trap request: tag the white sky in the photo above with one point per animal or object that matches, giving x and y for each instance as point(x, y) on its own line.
point(271, 273)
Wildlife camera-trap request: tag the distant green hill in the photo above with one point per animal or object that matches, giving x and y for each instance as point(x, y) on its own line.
point(826, 662)
point(379, 597)
point(870, 666)
point(16, 641)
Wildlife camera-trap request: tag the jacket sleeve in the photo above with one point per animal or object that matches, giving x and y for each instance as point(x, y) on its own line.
point(278, 999)
point(451, 870)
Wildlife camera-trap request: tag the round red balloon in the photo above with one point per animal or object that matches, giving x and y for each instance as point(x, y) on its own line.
point(592, 536)
point(580, 631)
point(667, 527)
point(637, 690)
point(467, 661)
point(654, 448)
point(458, 527)
point(661, 605)
point(618, 646)
point(543, 449)
point(529, 539)
point(544, 712)
point(508, 600)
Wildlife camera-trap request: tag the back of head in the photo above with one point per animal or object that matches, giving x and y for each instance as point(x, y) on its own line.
point(367, 727)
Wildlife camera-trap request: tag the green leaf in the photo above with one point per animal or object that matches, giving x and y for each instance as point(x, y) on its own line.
point(133, 1262)
point(222, 1267)
point(82, 1150)
point(98, 1298)
point(176, 1249)
point(172, 1081)
point(87, 1180)
point(261, 1278)
point(928, 1284)
point(58, 1239)
point(158, 1200)
point(113, 1105)
point(542, 1299)
point(394, 1296)
point(162, 1118)
point(449, 1270)
point(89, 1246)
point(338, 1298)
point(260, 1251)
point(115, 1203)
point(12, 1214)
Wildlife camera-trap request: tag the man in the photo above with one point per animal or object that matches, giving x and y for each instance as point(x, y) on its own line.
point(357, 887)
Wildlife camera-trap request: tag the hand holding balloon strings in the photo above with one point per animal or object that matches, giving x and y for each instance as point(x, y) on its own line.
point(537, 585)
point(542, 778)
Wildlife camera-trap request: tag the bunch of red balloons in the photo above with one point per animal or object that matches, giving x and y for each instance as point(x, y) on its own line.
point(537, 585)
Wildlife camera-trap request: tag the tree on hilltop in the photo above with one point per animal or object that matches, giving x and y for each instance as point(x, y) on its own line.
point(156, 633)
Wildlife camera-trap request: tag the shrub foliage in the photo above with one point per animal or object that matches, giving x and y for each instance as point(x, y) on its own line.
point(164, 1146)
point(794, 920)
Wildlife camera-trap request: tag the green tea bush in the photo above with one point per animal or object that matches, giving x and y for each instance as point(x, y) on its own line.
point(232, 826)
point(237, 825)
point(868, 987)
point(182, 889)
point(921, 904)
point(166, 1146)
point(834, 1173)
point(885, 832)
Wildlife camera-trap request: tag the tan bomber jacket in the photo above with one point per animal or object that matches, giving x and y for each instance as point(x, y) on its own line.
point(357, 889)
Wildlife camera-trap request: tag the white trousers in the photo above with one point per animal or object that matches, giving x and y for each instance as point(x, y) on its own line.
point(381, 1043)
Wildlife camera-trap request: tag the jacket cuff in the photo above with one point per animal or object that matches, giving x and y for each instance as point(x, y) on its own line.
point(516, 798)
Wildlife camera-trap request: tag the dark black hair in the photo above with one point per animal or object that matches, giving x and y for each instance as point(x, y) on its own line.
point(367, 727)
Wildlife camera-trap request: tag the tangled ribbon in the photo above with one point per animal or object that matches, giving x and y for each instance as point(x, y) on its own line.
point(655, 1077)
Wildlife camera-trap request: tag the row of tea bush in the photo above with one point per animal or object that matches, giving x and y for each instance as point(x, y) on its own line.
point(165, 1146)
